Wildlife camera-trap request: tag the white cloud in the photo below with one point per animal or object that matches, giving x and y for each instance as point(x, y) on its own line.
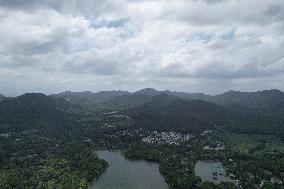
point(129, 44)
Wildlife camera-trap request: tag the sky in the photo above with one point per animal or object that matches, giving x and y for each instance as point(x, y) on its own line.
point(209, 46)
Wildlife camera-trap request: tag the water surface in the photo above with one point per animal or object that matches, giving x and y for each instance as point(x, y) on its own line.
point(205, 171)
point(126, 174)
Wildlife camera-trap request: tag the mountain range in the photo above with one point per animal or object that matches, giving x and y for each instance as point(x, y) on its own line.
point(251, 112)
point(88, 97)
point(266, 99)
point(247, 112)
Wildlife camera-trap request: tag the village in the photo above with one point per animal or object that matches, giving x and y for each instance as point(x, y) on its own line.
point(172, 137)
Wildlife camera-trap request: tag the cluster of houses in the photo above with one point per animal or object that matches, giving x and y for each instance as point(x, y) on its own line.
point(156, 137)
point(5, 135)
point(206, 132)
point(136, 132)
point(167, 138)
point(274, 180)
point(218, 146)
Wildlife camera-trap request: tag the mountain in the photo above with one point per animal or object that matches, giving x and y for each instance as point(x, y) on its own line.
point(34, 110)
point(183, 95)
point(108, 95)
point(89, 97)
point(168, 112)
point(128, 101)
point(66, 94)
point(2, 97)
point(266, 100)
point(252, 112)
point(148, 92)
point(154, 92)
point(270, 100)
point(75, 97)
point(200, 96)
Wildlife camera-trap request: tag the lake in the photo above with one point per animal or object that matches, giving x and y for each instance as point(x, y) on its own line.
point(127, 174)
point(205, 170)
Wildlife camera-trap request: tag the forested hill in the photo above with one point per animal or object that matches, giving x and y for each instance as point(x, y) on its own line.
point(34, 110)
point(266, 99)
point(2, 97)
point(128, 101)
point(167, 112)
point(90, 97)
point(148, 92)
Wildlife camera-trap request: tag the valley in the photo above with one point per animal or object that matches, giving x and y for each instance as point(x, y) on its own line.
point(51, 141)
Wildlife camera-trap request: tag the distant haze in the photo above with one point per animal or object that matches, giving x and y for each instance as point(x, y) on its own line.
point(209, 46)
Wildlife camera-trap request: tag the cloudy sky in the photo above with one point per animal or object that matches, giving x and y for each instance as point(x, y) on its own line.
point(206, 46)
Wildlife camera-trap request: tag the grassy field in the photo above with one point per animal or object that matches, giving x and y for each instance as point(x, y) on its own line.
point(244, 142)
